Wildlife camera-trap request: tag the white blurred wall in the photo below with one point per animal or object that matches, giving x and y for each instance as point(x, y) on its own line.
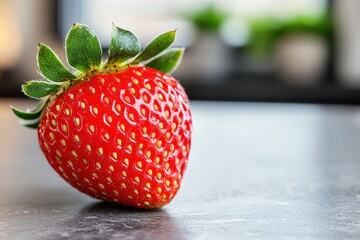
point(347, 14)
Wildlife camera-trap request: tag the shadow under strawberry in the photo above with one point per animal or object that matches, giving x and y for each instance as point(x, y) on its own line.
point(103, 220)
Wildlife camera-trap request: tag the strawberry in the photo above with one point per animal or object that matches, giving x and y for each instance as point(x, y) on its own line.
point(118, 130)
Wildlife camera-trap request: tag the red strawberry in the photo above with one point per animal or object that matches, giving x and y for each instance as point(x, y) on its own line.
point(120, 130)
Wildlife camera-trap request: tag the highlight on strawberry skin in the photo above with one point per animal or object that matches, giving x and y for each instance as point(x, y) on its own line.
point(117, 129)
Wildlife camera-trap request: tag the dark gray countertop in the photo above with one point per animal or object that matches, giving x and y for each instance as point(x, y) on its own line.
point(257, 171)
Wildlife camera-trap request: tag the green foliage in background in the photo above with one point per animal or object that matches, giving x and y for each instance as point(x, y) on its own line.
point(266, 32)
point(208, 19)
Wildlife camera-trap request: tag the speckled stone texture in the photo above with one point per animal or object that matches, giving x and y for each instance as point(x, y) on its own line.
point(256, 171)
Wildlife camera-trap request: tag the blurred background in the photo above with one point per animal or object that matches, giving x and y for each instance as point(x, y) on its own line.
point(273, 50)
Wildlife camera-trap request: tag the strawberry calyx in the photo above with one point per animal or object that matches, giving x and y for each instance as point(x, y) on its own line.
point(84, 55)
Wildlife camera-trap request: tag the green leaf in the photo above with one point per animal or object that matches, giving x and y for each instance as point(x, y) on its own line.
point(124, 45)
point(39, 89)
point(158, 45)
point(169, 61)
point(83, 48)
point(51, 66)
point(29, 115)
point(30, 124)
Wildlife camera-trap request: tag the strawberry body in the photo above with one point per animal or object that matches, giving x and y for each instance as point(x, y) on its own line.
point(117, 129)
point(123, 137)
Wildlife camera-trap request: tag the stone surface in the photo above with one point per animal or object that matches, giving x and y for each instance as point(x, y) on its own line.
point(257, 171)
